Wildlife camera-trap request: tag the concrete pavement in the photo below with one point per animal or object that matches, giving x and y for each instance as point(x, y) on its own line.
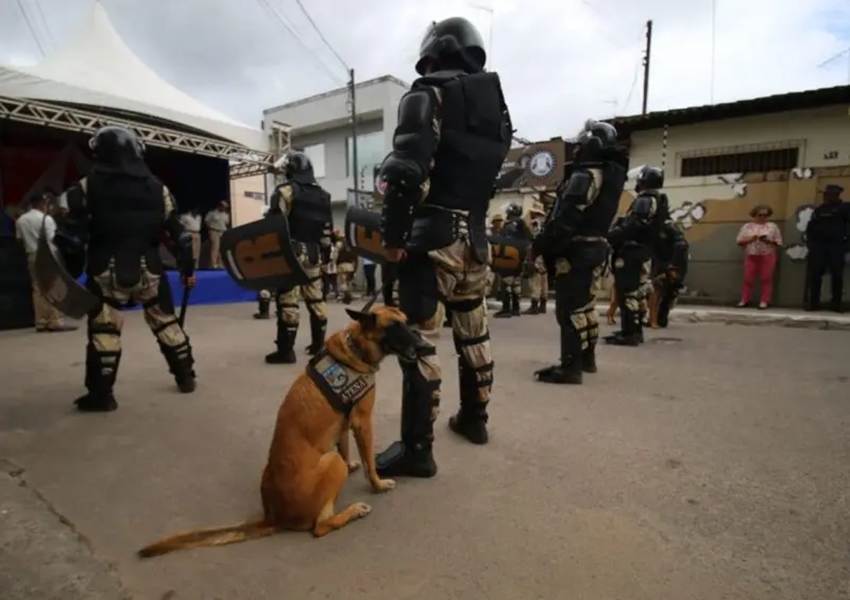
point(709, 463)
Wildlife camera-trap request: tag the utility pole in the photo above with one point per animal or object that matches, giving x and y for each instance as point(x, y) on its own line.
point(647, 53)
point(354, 165)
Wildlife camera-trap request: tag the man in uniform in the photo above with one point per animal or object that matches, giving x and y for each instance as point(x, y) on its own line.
point(515, 229)
point(115, 218)
point(574, 242)
point(494, 281)
point(191, 221)
point(453, 134)
point(633, 240)
point(307, 208)
point(826, 237)
point(346, 266)
point(538, 279)
point(217, 222)
point(671, 256)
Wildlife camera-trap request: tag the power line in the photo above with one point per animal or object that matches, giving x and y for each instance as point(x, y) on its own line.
point(321, 35)
point(265, 5)
point(634, 84)
point(29, 26)
point(44, 22)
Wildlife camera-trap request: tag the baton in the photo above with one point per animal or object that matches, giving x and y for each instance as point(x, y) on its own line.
point(181, 317)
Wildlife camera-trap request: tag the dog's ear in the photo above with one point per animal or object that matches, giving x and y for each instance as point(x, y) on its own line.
point(368, 320)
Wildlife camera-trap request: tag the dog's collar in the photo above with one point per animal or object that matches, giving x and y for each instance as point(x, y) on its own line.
point(357, 351)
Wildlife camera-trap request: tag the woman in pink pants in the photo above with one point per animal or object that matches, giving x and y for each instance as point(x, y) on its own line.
point(760, 239)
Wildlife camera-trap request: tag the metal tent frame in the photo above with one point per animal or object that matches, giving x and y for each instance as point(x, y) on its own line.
point(244, 162)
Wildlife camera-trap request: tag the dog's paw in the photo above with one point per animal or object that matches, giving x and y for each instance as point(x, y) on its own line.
point(383, 485)
point(353, 465)
point(361, 509)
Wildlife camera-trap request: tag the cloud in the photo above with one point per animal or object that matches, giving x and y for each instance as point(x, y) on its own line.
point(561, 61)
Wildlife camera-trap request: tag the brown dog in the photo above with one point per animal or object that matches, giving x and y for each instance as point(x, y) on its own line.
point(652, 303)
point(305, 474)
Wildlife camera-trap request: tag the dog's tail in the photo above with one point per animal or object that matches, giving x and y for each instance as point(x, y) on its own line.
point(214, 536)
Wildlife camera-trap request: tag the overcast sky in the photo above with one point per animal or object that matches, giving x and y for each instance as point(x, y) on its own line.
point(561, 61)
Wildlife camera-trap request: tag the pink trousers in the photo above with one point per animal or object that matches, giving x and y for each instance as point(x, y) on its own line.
point(763, 267)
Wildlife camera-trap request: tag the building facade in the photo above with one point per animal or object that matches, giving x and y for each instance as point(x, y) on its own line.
point(722, 160)
point(321, 127)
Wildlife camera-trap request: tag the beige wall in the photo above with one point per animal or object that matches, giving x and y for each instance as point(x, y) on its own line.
point(712, 209)
point(244, 209)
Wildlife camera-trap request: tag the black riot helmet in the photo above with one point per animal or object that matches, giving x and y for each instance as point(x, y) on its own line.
point(116, 145)
point(296, 166)
point(595, 138)
point(452, 43)
point(649, 178)
point(513, 210)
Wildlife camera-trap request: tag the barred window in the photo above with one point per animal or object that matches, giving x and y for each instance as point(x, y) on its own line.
point(782, 159)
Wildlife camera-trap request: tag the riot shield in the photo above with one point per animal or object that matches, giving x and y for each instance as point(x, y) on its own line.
point(59, 288)
point(260, 256)
point(363, 234)
point(507, 255)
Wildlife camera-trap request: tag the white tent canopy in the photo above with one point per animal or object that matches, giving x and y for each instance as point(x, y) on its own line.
point(96, 68)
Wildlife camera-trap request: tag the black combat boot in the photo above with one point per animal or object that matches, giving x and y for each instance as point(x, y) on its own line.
point(180, 364)
point(515, 305)
point(588, 359)
point(664, 312)
point(101, 371)
point(631, 332)
point(412, 455)
point(347, 297)
point(505, 311)
point(471, 420)
point(534, 309)
point(263, 305)
point(569, 371)
point(285, 354)
point(541, 306)
point(318, 327)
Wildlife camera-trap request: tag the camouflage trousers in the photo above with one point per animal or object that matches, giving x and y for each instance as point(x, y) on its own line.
point(539, 280)
point(632, 277)
point(104, 326)
point(577, 280)
point(512, 285)
point(286, 301)
point(452, 278)
point(344, 277)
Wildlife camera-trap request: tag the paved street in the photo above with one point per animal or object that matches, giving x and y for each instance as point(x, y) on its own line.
point(713, 462)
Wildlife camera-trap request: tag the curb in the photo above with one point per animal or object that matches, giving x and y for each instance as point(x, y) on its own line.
point(750, 317)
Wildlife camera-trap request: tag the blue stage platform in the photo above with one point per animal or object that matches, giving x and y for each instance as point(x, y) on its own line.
point(213, 287)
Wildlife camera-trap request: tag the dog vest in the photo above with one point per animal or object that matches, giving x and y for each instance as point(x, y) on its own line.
point(341, 385)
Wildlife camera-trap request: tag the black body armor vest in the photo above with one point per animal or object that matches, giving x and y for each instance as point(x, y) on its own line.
point(127, 222)
point(475, 137)
point(310, 214)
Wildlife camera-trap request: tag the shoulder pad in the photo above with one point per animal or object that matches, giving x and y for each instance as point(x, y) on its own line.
point(579, 183)
point(644, 206)
point(417, 106)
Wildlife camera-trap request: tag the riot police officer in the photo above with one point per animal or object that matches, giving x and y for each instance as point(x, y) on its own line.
point(307, 208)
point(453, 135)
point(574, 241)
point(116, 216)
point(515, 229)
point(671, 265)
point(633, 240)
point(826, 237)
